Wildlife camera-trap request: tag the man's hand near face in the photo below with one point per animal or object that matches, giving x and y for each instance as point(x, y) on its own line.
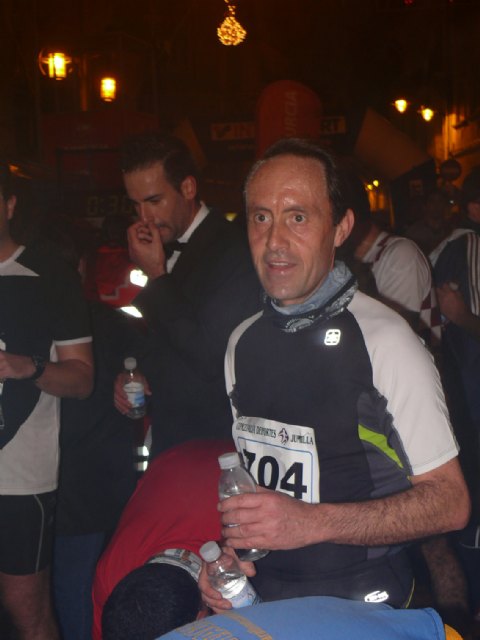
point(146, 249)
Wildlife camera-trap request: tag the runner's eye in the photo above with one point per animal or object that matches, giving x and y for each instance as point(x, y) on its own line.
point(299, 217)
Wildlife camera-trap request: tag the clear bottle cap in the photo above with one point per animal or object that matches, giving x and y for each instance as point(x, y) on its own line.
point(229, 460)
point(210, 551)
point(130, 364)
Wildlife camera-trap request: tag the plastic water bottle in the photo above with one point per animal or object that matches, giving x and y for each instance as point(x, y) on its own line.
point(134, 389)
point(225, 576)
point(235, 479)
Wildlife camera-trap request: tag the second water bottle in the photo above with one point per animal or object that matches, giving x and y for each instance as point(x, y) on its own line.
point(225, 576)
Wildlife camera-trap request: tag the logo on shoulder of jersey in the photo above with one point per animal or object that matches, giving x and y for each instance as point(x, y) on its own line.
point(332, 337)
point(283, 436)
point(376, 596)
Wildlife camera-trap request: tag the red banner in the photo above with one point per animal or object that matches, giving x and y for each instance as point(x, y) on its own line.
point(287, 109)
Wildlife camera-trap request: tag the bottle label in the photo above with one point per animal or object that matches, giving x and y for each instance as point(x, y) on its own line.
point(247, 597)
point(135, 393)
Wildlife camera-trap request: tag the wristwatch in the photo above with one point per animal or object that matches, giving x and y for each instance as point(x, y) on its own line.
point(40, 363)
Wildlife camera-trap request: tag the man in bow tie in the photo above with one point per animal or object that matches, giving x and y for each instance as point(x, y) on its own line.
point(165, 199)
point(193, 298)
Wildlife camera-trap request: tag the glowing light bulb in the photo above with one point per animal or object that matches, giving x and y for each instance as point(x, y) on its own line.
point(427, 113)
point(108, 89)
point(401, 105)
point(54, 65)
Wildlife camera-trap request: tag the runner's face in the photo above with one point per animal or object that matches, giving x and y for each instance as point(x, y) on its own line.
point(290, 227)
point(157, 201)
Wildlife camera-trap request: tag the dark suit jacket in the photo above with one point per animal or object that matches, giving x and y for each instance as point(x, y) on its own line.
point(190, 314)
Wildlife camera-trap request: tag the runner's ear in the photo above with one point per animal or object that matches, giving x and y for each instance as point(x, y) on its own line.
point(343, 228)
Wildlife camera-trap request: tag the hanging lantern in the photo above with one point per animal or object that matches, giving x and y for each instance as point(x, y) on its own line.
point(231, 32)
point(54, 65)
point(108, 89)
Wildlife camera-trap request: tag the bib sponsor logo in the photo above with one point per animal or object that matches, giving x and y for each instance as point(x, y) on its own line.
point(285, 438)
point(332, 337)
point(257, 430)
point(305, 439)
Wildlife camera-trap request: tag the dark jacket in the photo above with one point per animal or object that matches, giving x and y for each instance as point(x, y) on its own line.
point(191, 313)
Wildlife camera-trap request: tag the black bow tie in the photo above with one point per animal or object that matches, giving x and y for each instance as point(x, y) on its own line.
point(173, 246)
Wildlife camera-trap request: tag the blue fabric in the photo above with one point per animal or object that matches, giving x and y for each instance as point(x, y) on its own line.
point(316, 618)
point(74, 562)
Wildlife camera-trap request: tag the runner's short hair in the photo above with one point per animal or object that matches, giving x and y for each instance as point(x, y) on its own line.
point(150, 601)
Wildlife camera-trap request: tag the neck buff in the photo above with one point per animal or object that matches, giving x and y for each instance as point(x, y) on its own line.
point(330, 299)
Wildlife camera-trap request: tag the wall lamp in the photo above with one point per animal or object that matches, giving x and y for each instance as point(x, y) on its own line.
point(108, 89)
point(54, 64)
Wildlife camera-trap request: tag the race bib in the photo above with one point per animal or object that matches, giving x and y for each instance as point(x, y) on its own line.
point(281, 457)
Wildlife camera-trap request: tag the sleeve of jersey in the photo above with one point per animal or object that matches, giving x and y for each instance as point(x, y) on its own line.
point(229, 362)
point(405, 375)
point(406, 279)
point(70, 316)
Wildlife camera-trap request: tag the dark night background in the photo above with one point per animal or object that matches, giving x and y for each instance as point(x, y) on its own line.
point(172, 69)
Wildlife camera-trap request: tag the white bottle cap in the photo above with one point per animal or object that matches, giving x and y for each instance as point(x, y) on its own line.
point(229, 460)
point(130, 364)
point(210, 551)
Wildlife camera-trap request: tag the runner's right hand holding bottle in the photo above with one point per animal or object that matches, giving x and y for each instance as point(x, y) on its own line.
point(234, 480)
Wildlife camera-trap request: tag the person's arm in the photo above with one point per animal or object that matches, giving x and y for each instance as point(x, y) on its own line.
point(405, 279)
point(437, 502)
point(453, 307)
point(70, 377)
point(460, 257)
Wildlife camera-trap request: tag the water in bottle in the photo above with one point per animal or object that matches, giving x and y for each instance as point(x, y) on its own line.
point(225, 576)
point(134, 389)
point(235, 479)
